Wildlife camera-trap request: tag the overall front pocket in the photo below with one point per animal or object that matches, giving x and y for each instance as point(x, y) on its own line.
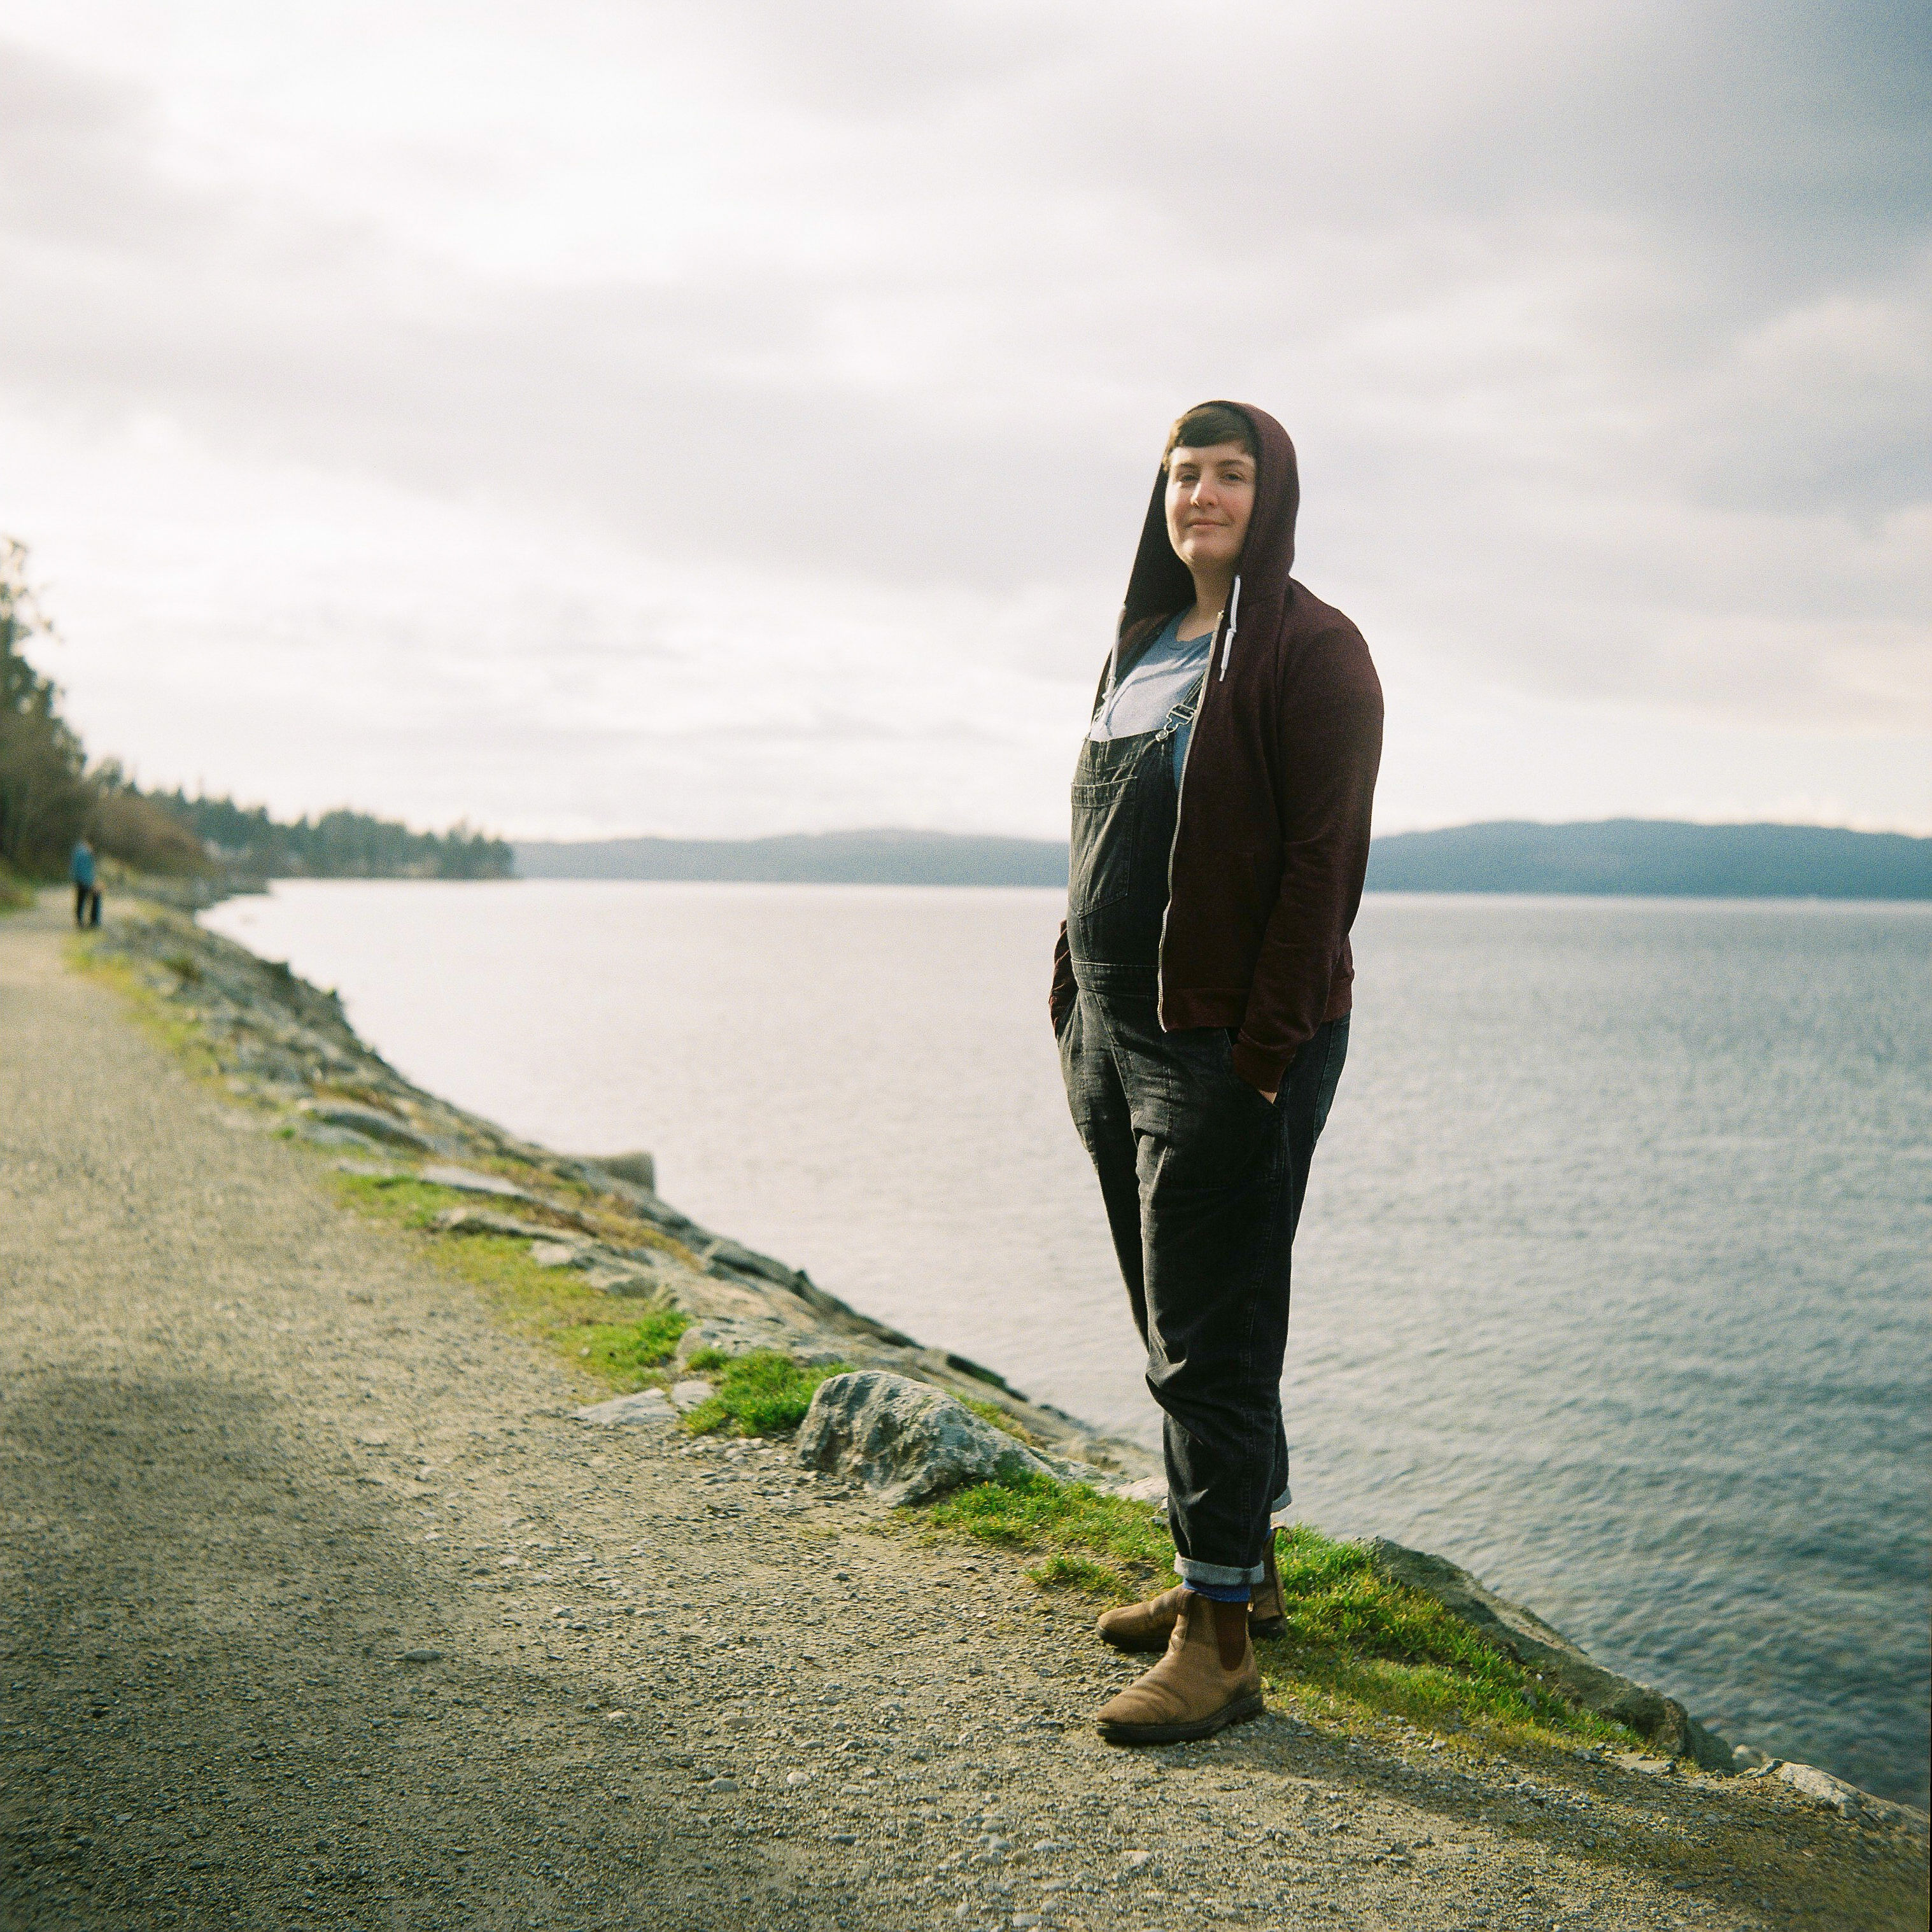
point(1101, 863)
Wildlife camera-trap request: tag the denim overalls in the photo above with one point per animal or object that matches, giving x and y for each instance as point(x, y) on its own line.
point(1203, 1179)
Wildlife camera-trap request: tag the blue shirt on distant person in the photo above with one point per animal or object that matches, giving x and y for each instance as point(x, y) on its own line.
point(1162, 675)
point(82, 871)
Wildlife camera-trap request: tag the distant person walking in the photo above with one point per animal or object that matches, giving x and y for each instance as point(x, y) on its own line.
point(1200, 998)
point(86, 891)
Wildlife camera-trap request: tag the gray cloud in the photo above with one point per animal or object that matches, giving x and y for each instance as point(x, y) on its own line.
point(1603, 331)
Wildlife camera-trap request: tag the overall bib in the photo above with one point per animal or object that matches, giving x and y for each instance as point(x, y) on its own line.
point(1202, 1178)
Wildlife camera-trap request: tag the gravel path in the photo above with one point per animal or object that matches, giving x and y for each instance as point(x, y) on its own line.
point(319, 1609)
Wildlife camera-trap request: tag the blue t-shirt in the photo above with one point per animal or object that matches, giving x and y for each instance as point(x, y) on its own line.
point(82, 868)
point(1162, 675)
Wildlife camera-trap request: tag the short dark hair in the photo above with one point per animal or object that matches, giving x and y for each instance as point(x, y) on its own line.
point(1210, 423)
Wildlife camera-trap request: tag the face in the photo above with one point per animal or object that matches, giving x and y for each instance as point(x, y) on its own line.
point(1211, 495)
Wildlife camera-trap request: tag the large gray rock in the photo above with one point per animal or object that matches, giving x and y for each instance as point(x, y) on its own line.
point(628, 1283)
point(1849, 1801)
point(906, 1439)
point(1521, 1634)
point(488, 1221)
point(731, 1335)
point(623, 1411)
point(320, 1133)
point(370, 1121)
point(739, 1335)
point(641, 1170)
point(467, 1180)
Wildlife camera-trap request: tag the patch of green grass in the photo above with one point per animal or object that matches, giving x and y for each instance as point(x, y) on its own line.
point(1002, 1420)
point(1061, 1571)
point(400, 1197)
point(15, 893)
point(761, 1393)
point(1104, 1545)
point(1353, 1638)
point(624, 1352)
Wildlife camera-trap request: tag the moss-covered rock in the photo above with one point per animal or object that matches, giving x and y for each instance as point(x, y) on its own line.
point(906, 1439)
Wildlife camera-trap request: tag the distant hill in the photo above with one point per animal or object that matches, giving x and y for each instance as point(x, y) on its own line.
point(821, 858)
point(1647, 856)
point(1655, 857)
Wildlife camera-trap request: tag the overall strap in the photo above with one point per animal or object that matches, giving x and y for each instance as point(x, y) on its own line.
point(1184, 713)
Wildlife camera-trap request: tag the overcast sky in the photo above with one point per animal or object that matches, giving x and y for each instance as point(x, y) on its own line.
point(594, 418)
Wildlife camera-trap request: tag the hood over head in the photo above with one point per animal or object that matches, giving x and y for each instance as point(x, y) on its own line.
point(1275, 795)
point(1159, 584)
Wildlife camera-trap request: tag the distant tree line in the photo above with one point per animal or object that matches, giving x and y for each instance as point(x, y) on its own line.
point(336, 845)
point(50, 797)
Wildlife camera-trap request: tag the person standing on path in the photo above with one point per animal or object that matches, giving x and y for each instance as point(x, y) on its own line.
point(1201, 996)
point(86, 892)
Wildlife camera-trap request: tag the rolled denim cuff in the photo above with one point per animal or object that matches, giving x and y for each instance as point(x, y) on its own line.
point(1221, 1593)
point(1189, 1571)
point(1281, 1502)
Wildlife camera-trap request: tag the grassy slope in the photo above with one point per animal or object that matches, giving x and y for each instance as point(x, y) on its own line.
point(1359, 1644)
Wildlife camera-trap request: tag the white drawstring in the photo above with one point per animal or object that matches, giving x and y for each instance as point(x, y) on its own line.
point(1234, 614)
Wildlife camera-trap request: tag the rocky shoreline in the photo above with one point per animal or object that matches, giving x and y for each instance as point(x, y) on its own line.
point(284, 1046)
point(906, 1421)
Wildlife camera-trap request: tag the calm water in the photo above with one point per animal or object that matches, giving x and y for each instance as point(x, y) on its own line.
point(1612, 1284)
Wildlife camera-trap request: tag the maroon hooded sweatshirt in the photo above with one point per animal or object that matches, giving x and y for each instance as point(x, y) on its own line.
point(1272, 839)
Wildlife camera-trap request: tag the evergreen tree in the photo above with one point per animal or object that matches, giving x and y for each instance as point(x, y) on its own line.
point(44, 795)
point(49, 798)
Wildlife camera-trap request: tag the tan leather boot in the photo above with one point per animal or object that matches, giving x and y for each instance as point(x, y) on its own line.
point(1267, 1608)
point(1146, 1627)
point(1189, 1693)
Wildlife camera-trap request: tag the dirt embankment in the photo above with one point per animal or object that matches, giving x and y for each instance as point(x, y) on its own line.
point(320, 1608)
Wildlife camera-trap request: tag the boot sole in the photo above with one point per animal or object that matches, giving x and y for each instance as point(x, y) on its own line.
point(1240, 1711)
